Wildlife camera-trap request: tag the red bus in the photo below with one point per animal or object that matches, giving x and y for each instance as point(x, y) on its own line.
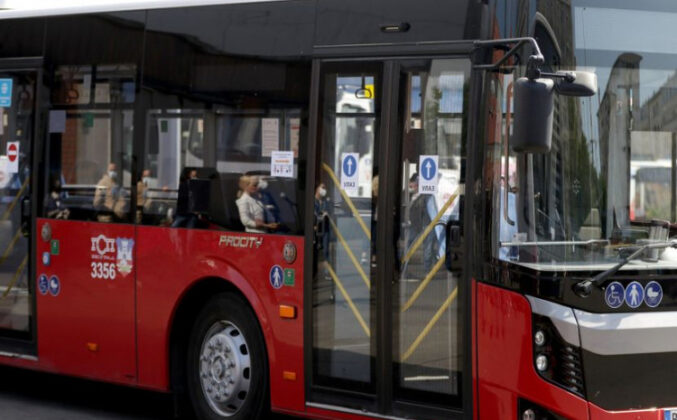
point(345, 209)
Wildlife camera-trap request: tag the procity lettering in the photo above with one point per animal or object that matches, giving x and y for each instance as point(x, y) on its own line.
point(241, 241)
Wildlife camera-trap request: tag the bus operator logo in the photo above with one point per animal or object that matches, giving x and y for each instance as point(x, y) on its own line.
point(103, 245)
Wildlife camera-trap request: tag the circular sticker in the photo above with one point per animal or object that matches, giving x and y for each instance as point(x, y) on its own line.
point(289, 252)
point(54, 286)
point(428, 169)
point(46, 232)
point(653, 294)
point(43, 284)
point(276, 276)
point(349, 166)
point(614, 295)
point(634, 294)
point(46, 259)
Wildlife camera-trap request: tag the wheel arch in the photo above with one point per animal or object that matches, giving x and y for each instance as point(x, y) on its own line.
point(185, 313)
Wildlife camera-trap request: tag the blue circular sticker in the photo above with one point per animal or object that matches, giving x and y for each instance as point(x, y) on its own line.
point(349, 165)
point(614, 295)
point(276, 277)
point(43, 284)
point(54, 286)
point(428, 169)
point(634, 294)
point(653, 294)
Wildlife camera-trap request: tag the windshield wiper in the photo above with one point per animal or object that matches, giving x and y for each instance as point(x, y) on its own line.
point(590, 242)
point(584, 287)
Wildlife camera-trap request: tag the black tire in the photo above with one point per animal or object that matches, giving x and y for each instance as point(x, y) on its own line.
point(224, 323)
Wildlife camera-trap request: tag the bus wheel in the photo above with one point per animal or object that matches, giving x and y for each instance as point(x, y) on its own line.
point(227, 368)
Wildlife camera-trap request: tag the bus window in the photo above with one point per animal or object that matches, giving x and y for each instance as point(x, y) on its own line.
point(91, 119)
point(217, 130)
point(427, 343)
point(345, 226)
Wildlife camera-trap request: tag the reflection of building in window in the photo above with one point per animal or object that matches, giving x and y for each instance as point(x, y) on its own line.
point(618, 108)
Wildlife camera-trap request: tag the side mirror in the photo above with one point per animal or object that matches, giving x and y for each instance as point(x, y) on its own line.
point(579, 83)
point(532, 125)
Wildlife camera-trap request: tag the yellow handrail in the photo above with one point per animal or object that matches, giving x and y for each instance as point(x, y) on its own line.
point(430, 325)
point(349, 300)
point(430, 226)
point(350, 253)
point(424, 284)
point(347, 199)
point(11, 206)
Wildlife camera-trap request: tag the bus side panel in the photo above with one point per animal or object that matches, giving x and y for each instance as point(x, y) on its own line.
point(85, 300)
point(505, 366)
point(172, 260)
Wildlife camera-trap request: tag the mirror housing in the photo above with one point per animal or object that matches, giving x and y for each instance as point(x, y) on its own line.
point(579, 83)
point(532, 125)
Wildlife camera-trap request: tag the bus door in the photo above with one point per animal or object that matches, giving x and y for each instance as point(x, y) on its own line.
point(388, 318)
point(18, 90)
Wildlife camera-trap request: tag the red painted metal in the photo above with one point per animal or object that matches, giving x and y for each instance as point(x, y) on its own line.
point(128, 319)
point(86, 310)
point(118, 330)
point(504, 362)
point(171, 261)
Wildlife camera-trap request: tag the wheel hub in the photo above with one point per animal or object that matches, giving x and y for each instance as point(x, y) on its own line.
point(225, 368)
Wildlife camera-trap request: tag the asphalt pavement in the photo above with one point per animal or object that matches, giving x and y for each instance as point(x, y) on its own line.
point(39, 396)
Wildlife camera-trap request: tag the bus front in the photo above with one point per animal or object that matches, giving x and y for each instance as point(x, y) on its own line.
point(578, 291)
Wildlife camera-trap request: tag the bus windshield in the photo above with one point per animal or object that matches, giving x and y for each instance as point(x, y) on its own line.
point(608, 184)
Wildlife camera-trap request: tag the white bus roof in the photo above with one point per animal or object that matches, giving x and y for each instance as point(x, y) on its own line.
point(110, 6)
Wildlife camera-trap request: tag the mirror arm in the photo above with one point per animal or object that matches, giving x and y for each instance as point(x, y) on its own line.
point(533, 64)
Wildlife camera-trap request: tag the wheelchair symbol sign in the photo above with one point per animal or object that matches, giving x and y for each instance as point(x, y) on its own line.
point(614, 295)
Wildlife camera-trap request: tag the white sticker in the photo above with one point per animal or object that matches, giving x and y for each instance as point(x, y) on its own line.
point(350, 174)
point(428, 178)
point(13, 157)
point(57, 121)
point(270, 136)
point(4, 175)
point(282, 164)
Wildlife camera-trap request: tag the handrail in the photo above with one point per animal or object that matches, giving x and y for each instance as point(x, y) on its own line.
point(347, 199)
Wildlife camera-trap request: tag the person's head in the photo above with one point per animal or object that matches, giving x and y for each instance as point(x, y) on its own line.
point(112, 170)
point(145, 173)
point(320, 191)
point(192, 174)
point(413, 183)
point(253, 185)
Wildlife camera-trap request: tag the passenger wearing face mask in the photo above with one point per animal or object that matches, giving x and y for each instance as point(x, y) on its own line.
point(106, 195)
point(251, 208)
point(143, 202)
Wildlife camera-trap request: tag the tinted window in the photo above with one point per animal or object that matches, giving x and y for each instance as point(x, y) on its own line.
point(94, 61)
point(219, 118)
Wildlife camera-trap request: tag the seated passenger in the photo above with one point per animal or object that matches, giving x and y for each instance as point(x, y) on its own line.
point(251, 210)
point(107, 199)
point(184, 217)
point(54, 205)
